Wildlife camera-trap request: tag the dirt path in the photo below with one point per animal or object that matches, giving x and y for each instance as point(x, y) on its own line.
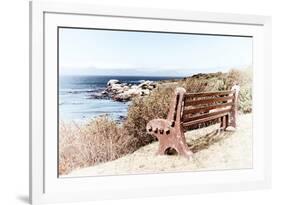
point(212, 151)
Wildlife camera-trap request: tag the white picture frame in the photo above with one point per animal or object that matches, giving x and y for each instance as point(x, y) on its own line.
point(46, 187)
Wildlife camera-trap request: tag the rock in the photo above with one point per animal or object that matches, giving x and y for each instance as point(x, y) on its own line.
point(145, 92)
point(143, 86)
point(151, 87)
point(112, 82)
point(125, 88)
point(147, 84)
point(98, 96)
point(119, 91)
point(122, 118)
point(124, 92)
point(134, 87)
point(133, 91)
point(121, 97)
point(105, 92)
point(116, 87)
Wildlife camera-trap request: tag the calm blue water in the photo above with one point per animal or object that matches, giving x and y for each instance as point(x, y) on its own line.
point(76, 104)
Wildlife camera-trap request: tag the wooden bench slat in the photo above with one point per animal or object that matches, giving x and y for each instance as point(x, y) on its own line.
point(207, 101)
point(205, 115)
point(205, 108)
point(186, 124)
point(189, 111)
point(208, 94)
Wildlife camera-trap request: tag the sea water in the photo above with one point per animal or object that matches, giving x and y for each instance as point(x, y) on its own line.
point(77, 104)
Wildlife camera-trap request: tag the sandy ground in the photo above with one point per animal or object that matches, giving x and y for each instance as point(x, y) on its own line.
point(212, 151)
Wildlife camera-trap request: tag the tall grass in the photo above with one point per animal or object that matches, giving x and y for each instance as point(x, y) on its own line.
point(144, 109)
point(156, 105)
point(85, 145)
point(103, 139)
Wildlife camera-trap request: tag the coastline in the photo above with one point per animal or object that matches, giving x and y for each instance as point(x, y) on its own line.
point(83, 98)
point(103, 139)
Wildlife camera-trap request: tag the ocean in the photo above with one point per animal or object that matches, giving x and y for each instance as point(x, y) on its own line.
point(76, 103)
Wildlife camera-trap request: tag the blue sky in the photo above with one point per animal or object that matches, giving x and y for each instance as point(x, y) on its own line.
point(102, 52)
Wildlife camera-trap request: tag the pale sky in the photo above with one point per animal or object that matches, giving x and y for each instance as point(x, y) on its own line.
point(103, 52)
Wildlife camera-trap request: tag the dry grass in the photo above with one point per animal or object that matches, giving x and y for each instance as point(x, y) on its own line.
point(212, 151)
point(85, 145)
point(224, 81)
point(104, 140)
point(143, 109)
point(156, 105)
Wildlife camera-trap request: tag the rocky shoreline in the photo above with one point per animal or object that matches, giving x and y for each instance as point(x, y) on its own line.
point(123, 92)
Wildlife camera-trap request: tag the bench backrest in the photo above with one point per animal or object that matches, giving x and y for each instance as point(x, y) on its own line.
point(191, 109)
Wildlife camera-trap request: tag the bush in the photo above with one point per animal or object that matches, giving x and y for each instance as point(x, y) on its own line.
point(244, 78)
point(223, 81)
point(156, 105)
point(86, 145)
point(245, 99)
point(103, 140)
point(144, 109)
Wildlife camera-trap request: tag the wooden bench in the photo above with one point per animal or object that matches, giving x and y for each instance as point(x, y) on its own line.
point(189, 110)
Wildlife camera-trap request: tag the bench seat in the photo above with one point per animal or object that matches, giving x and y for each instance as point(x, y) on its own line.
point(193, 109)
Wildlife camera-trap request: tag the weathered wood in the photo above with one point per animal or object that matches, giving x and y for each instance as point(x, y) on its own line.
point(202, 120)
point(207, 108)
point(234, 111)
point(173, 137)
point(172, 109)
point(208, 94)
point(187, 118)
point(207, 101)
point(227, 121)
point(223, 122)
point(188, 109)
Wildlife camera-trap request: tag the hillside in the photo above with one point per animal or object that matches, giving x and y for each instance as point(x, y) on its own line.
point(212, 151)
point(103, 140)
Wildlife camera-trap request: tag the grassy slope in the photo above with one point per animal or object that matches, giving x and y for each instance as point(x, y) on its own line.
point(212, 151)
point(104, 140)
